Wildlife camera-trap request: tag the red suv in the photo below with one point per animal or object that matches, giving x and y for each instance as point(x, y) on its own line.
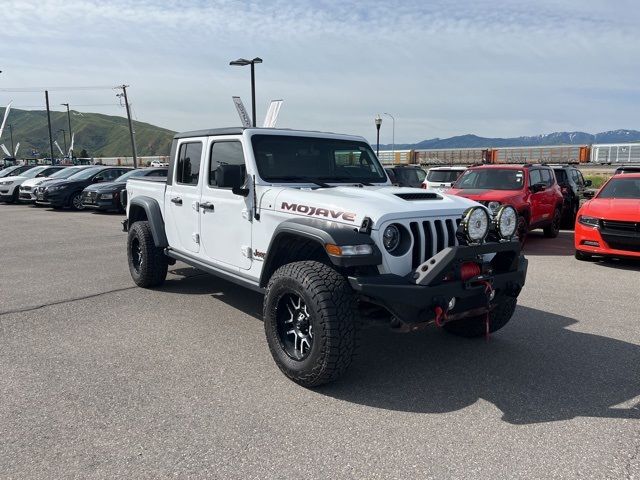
point(531, 189)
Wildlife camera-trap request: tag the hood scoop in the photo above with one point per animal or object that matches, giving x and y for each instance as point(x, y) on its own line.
point(419, 196)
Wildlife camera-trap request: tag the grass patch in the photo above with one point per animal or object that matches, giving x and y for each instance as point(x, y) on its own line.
point(598, 179)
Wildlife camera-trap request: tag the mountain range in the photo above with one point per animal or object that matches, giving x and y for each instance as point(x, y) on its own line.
point(100, 135)
point(557, 138)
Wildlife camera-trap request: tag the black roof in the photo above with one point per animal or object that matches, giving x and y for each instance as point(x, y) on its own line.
point(211, 132)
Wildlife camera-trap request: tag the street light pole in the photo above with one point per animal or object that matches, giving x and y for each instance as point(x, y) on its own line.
point(46, 97)
point(243, 62)
point(393, 134)
point(133, 140)
point(378, 122)
point(69, 120)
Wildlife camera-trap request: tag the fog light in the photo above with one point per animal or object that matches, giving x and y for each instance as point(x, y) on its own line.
point(452, 303)
point(591, 243)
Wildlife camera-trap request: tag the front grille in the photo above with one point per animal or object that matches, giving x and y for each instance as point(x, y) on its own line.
point(431, 237)
point(616, 226)
point(629, 247)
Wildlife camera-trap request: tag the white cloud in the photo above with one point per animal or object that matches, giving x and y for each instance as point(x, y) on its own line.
point(495, 68)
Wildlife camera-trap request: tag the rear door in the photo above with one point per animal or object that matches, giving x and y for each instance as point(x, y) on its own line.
point(225, 218)
point(182, 196)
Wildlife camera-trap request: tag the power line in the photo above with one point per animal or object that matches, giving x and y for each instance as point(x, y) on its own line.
point(75, 105)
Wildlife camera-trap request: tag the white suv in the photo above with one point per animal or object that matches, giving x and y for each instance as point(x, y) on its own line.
point(10, 186)
point(442, 178)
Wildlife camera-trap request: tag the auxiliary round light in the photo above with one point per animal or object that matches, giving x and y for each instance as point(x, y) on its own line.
point(506, 222)
point(475, 224)
point(391, 238)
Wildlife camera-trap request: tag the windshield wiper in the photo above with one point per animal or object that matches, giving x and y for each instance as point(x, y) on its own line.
point(295, 178)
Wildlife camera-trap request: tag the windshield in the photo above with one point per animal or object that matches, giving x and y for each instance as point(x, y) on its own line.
point(293, 159)
point(132, 173)
point(443, 176)
point(621, 188)
point(7, 171)
point(491, 179)
point(65, 172)
point(85, 173)
point(32, 172)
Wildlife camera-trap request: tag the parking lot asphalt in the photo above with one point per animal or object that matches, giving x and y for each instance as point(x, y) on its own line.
point(101, 379)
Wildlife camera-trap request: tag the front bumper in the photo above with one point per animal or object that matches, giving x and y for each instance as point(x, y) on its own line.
point(27, 195)
point(412, 303)
point(94, 200)
point(612, 244)
point(55, 199)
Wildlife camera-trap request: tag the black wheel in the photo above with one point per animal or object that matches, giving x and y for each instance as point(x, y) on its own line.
point(585, 257)
point(475, 326)
point(553, 229)
point(310, 322)
point(16, 196)
point(570, 221)
point(147, 263)
point(76, 201)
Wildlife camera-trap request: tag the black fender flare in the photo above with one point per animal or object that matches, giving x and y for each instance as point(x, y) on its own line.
point(322, 232)
point(154, 217)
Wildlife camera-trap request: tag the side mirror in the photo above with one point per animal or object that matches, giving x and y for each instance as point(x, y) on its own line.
point(538, 187)
point(588, 183)
point(98, 179)
point(589, 194)
point(230, 176)
point(40, 175)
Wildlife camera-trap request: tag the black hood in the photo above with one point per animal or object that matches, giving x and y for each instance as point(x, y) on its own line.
point(106, 187)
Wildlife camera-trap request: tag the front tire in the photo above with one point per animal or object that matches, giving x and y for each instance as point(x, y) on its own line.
point(76, 201)
point(310, 322)
point(582, 256)
point(148, 264)
point(475, 326)
point(553, 229)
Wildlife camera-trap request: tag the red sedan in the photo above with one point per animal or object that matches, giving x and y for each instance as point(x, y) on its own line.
point(609, 224)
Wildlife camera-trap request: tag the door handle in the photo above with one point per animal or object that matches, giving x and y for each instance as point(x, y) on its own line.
point(176, 200)
point(207, 206)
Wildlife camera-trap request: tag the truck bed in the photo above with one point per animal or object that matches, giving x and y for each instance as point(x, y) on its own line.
point(148, 187)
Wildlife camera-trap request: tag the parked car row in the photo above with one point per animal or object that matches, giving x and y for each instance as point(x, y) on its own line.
point(76, 187)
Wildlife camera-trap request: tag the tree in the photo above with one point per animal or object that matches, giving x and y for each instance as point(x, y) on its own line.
point(84, 154)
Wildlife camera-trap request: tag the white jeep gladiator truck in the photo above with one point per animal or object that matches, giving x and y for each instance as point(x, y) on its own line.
point(311, 220)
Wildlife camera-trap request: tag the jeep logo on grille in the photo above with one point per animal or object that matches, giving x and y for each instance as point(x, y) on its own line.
point(318, 212)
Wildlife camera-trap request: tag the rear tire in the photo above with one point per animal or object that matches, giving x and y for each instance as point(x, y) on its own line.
point(475, 326)
point(583, 257)
point(553, 229)
point(148, 264)
point(310, 322)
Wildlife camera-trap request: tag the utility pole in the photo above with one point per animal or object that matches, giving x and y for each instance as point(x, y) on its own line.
point(11, 133)
point(133, 140)
point(69, 120)
point(46, 97)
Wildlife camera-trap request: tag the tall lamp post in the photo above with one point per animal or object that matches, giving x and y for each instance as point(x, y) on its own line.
point(378, 122)
point(393, 134)
point(243, 62)
point(69, 120)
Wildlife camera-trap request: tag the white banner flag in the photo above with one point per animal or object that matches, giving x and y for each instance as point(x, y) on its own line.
point(73, 138)
point(242, 112)
point(15, 154)
point(272, 114)
point(6, 151)
point(55, 142)
point(4, 120)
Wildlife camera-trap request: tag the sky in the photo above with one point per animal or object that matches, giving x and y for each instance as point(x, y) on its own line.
point(497, 68)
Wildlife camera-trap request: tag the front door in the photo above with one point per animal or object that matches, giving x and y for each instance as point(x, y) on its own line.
point(183, 195)
point(225, 219)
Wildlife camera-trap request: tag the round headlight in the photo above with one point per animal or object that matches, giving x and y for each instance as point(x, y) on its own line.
point(506, 221)
point(475, 224)
point(391, 238)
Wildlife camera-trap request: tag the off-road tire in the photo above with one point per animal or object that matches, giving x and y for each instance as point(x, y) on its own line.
point(150, 270)
point(553, 229)
point(332, 311)
point(583, 257)
point(475, 326)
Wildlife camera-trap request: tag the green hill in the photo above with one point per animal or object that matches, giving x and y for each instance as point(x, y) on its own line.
point(100, 135)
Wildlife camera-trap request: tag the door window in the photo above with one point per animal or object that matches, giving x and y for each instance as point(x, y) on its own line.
point(547, 177)
point(225, 153)
point(188, 165)
point(534, 177)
